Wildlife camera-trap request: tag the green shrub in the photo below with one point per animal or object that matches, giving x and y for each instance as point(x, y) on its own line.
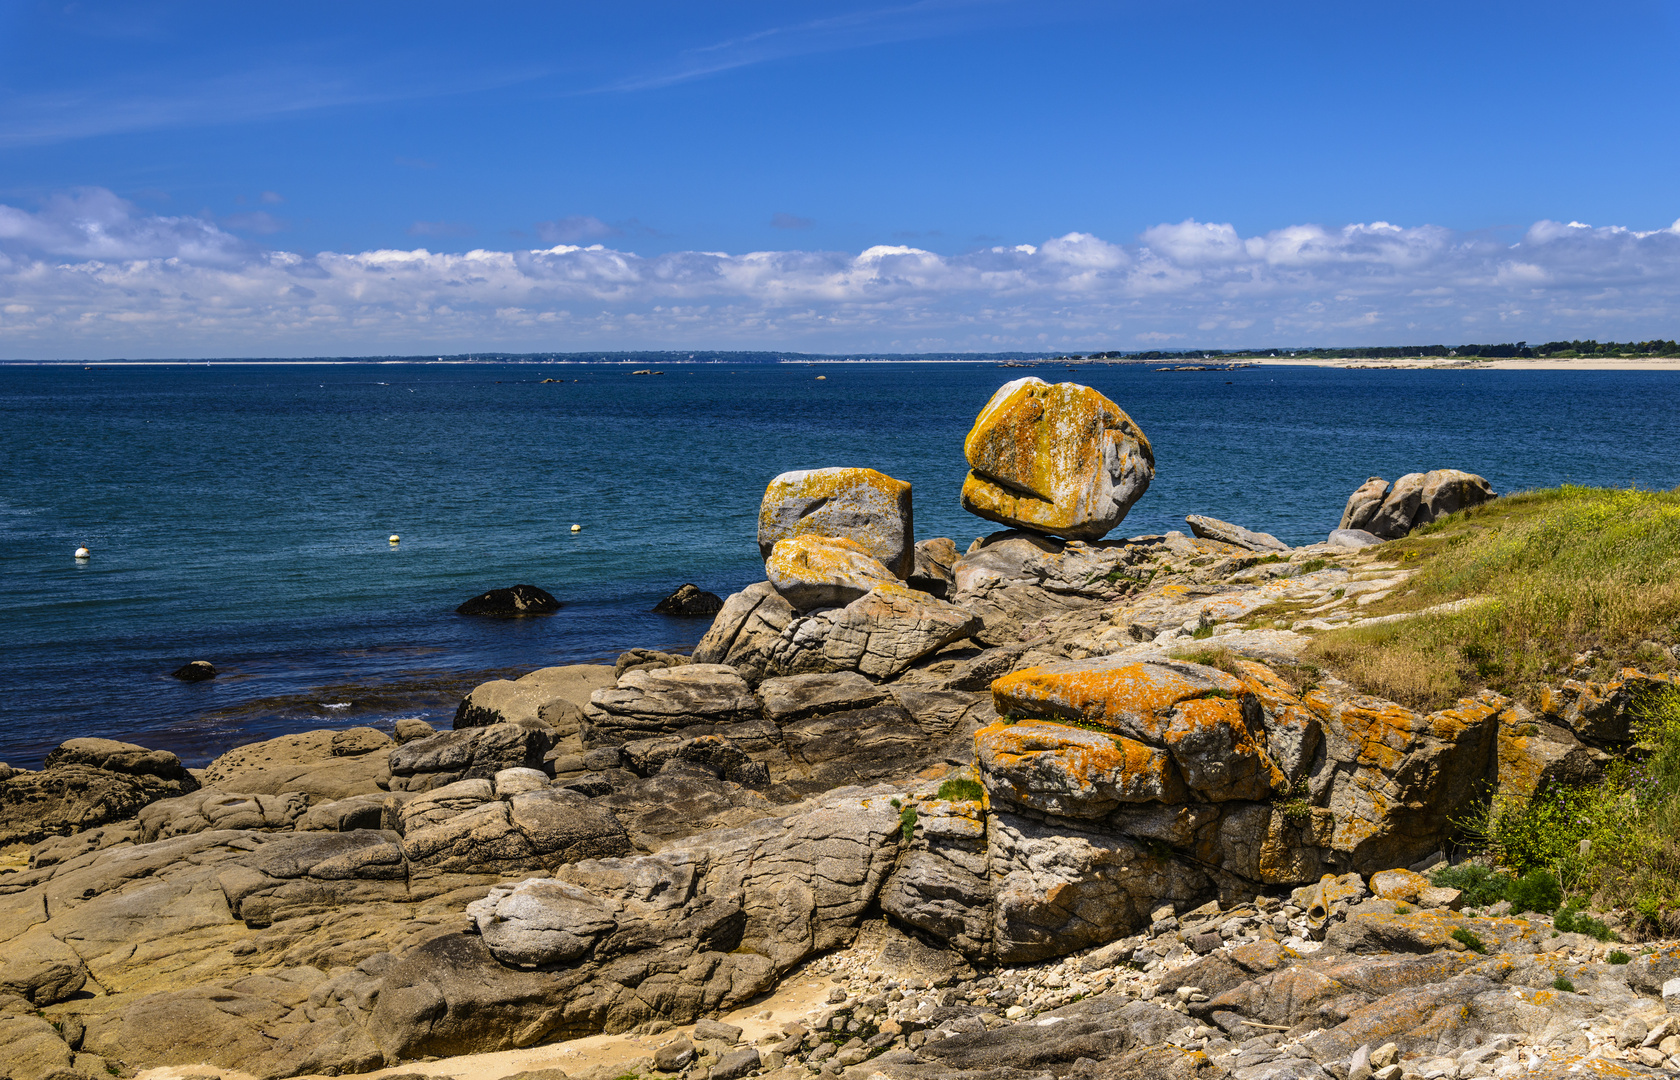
point(1479, 885)
point(1202, 632)
point(1573, 921)
point(1537, 891)
point(1617, 956)
point(1469, 940)
point(961, 790)
point(907, 822)
point(1313, 566)
point(1563, 984)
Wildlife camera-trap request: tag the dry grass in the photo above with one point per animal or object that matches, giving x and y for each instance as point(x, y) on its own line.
point(1561, 571)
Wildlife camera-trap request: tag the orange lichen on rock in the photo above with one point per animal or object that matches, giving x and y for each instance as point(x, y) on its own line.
point(1205, 718)
point(1070, 771)
point(862, 505)
point(1059, 459)
point(824, 571)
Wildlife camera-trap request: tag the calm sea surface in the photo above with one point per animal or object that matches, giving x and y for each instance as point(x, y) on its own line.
point(239, 513)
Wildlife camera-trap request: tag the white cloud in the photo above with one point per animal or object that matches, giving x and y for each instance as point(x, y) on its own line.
point(89, 274)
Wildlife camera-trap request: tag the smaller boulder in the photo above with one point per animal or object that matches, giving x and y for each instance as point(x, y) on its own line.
point(933, 573)
point(1353, 538)
point(1209, 528)
point(689, 600)
point(511, 602)
point(866, 507)
point(813, 571)
point(1401, 886)
point(410, 728)
point(197, 671)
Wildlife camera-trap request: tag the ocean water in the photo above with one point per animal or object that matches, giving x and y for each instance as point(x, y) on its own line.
point(239, 513)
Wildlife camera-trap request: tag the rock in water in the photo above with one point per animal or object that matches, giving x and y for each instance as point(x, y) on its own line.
point(1415, 499)
point(1057, 459)
point(1213, 529)
point(814, 571)
point(864, 506)
point(506, 603)
point(197, 671)
point(689, 599)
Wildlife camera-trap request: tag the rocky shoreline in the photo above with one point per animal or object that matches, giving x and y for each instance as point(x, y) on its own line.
point(1046, 807)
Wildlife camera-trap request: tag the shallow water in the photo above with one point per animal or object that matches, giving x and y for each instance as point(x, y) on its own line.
point(239, 513)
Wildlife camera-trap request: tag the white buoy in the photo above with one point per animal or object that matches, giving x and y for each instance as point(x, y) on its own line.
point(577, 528)
point(82, 553)
point(395, 538)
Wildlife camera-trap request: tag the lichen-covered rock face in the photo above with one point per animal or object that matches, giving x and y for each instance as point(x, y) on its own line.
point(866, 507)
point(1207, 720)
point(1072, 772)
point(1058, 459)
point(891, 627)
point(812, 571)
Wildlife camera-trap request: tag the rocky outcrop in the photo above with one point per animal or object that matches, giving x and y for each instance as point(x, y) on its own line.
point(1415, 499)
point(1603, 713)
point(866, 507)
point(86, 783)
point(512, 602)
point(932, 573)
point(320, 764)
point(688, 601)
point(1062, 460)
point(469, 753)
point(814, 571)
point(1210, 528)
point(553, 696)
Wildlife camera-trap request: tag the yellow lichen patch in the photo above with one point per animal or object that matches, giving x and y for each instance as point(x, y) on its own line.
point(1400, 885)
point(1381, 731)
point(1071, 771)
point(862, 505)
point(1060, 459)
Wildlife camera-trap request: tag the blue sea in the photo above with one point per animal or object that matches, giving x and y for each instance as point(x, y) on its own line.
point(238, 513)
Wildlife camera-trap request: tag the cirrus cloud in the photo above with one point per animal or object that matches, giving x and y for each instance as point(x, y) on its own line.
point(89, 274)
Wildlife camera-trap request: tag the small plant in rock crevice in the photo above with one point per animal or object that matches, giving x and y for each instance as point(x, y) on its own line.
point(907, 822)
point(1468, 939)
point(1563, 985)
point(961, 790)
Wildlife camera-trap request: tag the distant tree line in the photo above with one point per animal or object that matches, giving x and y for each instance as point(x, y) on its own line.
point(1557, 350)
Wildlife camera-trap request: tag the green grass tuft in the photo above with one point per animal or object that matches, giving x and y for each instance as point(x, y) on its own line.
point(1468, 939)
point(1563, 984)
point(907, 822)
point(1617, 956)
point(961, 790)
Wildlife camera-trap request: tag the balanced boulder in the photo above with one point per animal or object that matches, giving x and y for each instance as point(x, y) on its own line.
point(862, 505)
point(1415, 499)
point(1059, 459)
point(814, 571)
point(511, 602)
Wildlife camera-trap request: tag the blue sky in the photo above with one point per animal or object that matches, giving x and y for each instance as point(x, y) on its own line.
point(1171, 150)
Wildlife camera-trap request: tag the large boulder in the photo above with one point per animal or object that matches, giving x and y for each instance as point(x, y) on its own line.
point(746, 633)
point(1415, 499)
point(696, 699)
point(814, 571)
point(862, 505)
point(1072, 772)
point(1057, 459)
point(1208, 721)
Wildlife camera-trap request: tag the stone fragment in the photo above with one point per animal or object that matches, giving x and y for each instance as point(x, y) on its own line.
point(410, 728)
point(1209, 528)
point(717, 1029)
point(932, 573)
point(120, 757)
point(1057, 459)
point(469, 753)
point(511, 602)
point(1399, 885)
point(674, 1055)
point(866, 507)
point(1072, 772)
point(1353, 538)
point(814, 571)
point(540, 921)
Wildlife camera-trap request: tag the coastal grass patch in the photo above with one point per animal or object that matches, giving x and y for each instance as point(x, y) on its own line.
point(1551, 574)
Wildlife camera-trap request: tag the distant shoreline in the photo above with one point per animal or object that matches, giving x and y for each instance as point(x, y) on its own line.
point(1395, 364)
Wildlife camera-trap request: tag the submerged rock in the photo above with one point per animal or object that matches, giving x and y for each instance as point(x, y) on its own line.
point(511, 602)
point(688, 600)
point(196, 671)
point(1058, 459)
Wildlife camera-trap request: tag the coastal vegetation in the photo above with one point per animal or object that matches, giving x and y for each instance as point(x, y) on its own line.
point(1571, 582)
